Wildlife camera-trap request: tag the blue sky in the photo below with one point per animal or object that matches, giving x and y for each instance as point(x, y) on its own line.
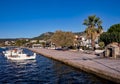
point(30, 18)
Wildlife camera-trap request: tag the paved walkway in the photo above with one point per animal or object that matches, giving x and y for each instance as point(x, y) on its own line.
point(103, 67)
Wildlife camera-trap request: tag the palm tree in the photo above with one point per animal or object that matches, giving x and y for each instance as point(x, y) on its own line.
point(93, 29)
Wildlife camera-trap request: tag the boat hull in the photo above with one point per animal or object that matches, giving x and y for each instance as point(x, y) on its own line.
point(21, 58)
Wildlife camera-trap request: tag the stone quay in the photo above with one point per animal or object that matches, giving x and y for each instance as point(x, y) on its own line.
point(103, 67)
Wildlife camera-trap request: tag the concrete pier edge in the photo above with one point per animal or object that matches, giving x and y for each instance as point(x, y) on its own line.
point(100, 73)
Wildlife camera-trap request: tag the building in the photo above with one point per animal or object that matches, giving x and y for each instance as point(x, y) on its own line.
point(112, 50)
point(36, 45)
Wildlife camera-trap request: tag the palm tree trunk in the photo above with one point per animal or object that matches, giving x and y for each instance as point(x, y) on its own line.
point(93, 45)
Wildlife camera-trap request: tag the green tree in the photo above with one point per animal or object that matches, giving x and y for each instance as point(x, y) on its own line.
point(94, 28)
point(114, 28)
point(43, 44)
point(62, 39)
point(37, 42)
point(20, 42)
point(112, 35)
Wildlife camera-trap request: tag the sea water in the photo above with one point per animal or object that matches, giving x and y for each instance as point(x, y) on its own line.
point(43, 70)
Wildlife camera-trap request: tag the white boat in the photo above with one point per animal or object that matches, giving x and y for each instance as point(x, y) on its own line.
point(3, 47)
point(12, 52)
point(18, 55)
point(22, 57)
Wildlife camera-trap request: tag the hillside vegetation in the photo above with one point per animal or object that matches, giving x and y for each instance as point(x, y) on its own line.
point(48, 35)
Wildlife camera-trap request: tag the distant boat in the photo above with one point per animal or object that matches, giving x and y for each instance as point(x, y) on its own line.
point(3, 47)
point(16, 54)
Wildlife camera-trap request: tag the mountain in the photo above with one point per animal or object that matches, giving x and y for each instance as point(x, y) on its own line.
point(44, 36)
point(79, 33)
point(47, 35)
point(3, 40)
point(11, 39)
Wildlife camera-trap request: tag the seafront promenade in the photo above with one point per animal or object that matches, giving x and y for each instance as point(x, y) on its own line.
point(103, 67)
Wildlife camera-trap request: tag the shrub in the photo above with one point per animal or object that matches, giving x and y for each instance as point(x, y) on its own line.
point(102, 45)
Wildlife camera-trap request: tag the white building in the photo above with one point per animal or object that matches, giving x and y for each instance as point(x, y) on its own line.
point(36, 46)
point(33, 41)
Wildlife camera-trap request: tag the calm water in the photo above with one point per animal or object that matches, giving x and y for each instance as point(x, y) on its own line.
point(43, 71)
